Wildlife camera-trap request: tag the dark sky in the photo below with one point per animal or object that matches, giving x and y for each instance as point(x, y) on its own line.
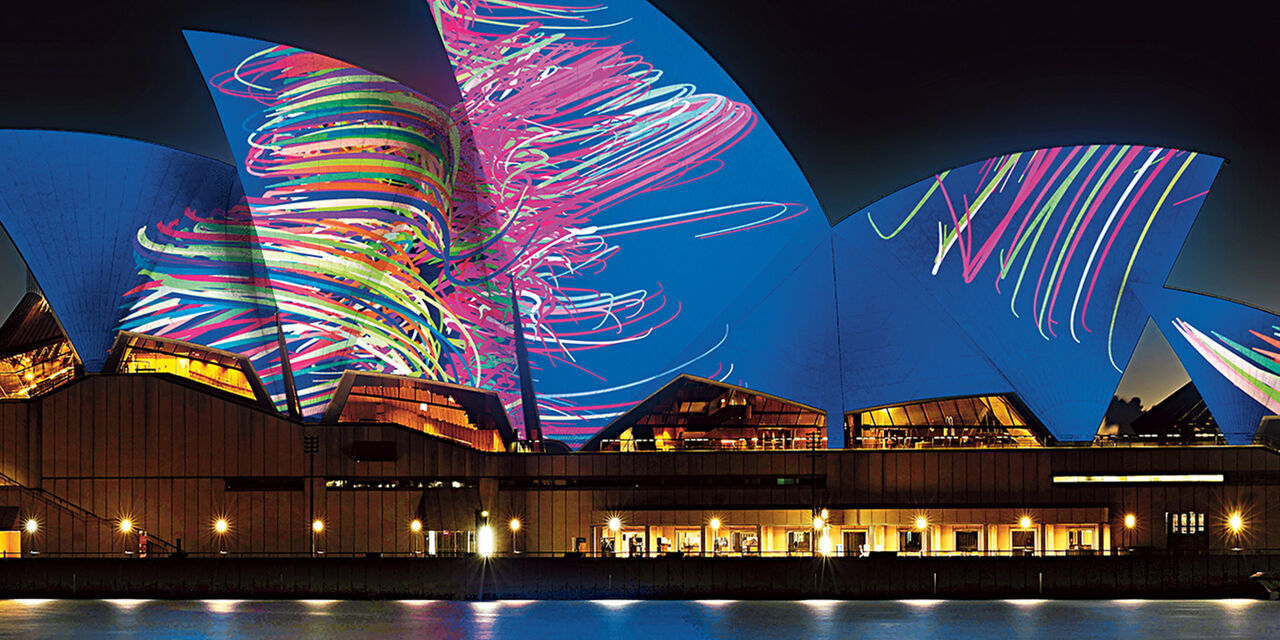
point(868, 96)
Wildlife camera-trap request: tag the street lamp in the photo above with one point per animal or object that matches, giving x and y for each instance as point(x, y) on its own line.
point(514, 525)
point(415, 528)
point(715, 535)
point(31, 526)
point(484, 541)
point(921, 523)
point(1235, 522)
point(1024, 522)
point(126, 525)
point(1130, 521)
point(221, 527)
point(317, 528)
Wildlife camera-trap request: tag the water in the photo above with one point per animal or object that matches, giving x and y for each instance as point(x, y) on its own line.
point(650, 620)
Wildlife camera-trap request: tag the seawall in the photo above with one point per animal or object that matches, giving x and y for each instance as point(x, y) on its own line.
point(669, 578)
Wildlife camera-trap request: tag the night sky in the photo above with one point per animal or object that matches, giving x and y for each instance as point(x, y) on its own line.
point(868, 96)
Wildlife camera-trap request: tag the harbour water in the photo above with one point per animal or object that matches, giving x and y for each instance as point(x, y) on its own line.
point(650, 620)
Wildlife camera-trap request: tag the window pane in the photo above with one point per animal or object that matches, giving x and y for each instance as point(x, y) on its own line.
point(915, 413)
point(1000, 409)
point(898, 416)
point(949, 413)
point(932, 414)
point(967, 414)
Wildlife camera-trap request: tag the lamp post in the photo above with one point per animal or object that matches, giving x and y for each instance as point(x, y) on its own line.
point(1130, 521)
point(415, 528)
point(31, 526)
point(1235, 524)
point(126, 526)
point(220, 529)
point(715, 536)
point(317, 528)
point(615, 524)
point(514, 525)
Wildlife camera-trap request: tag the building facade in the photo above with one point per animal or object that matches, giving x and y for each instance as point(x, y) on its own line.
point(173, 457)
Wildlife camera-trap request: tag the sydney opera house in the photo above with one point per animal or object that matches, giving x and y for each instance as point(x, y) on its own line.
point(588, 304)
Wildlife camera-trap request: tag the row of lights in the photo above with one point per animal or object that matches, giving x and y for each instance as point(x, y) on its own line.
point(1235, 522)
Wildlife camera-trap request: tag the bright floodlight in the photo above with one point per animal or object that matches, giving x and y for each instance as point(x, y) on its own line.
point(1025, 522)
point(824, 545)
point(818, 523)
point(484, 541)
point(415, 526)
point(220, 525)
point(31, 526)
point(317, 526)
point(126, 526)
point(1235, 522)
point(514, 524)
point(921, 522)
point(715, 523)
point(1130, 521)
point(615, 523)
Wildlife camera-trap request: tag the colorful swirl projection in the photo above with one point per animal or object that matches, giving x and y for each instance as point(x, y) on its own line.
point(207, 285)
point(388, 228)
point(568, 126)
point(1050, 222)
point(364, 255)
point(1253, 370)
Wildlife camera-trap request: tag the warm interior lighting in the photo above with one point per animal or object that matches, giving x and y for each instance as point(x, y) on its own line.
point(818, 523)
point(615, 523)
point(824, 545)
point(922, 522)
point(1025, 522)
point(514, 524)
point(126, 525)
point(715, 523)
point(825, 515)
point(1184, 477)
point(415, 526)
point(31, 525)
point(484, 541)
point(317, 526)
point(220, 525)
point(1235, 522)
point(1130, 521)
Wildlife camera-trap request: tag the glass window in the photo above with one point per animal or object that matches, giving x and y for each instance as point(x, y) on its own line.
point(1023, 540)
point(915, 413)
point(910, 541)
point(950, 415)
point(967, 541)
point(967, 413)
point(1001, 410)
point(899, 416)
point(932, 414)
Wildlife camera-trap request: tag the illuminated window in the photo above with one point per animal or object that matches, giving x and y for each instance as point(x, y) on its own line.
point(697, 414)
point(1185, 523)
point(910, 541)
point(38, 371)
point(210, 367)
point(460, 414)
point(1141, 478)
point(979, 421)
point(967, 540)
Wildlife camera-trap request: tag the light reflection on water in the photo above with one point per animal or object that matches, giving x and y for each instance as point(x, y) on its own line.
point(624, 619)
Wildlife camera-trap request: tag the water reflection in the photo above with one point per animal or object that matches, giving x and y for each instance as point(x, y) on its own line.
point(639, 619)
